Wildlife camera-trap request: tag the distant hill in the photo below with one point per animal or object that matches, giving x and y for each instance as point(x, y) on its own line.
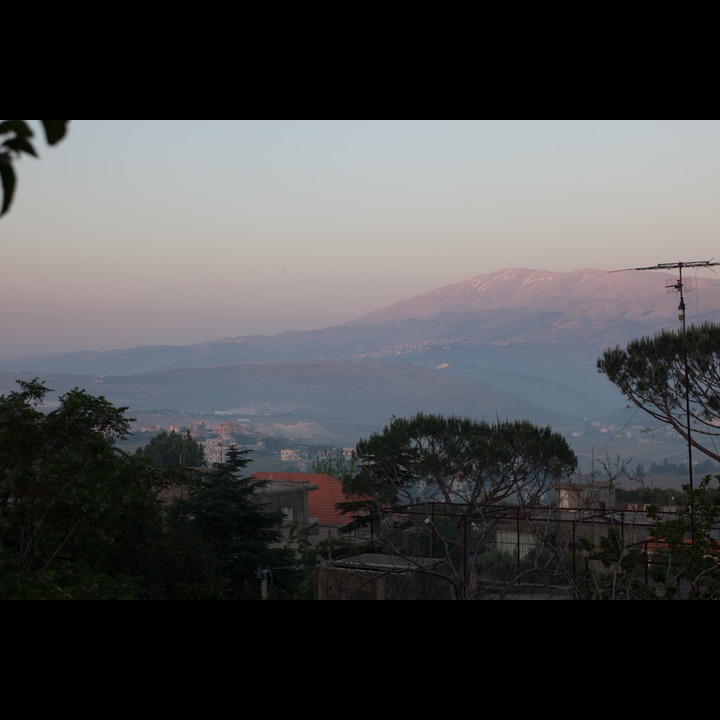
point(323, 390)
point(515, 343)
point(526, 309)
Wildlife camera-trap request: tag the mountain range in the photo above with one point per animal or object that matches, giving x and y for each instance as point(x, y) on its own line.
point(511, 344)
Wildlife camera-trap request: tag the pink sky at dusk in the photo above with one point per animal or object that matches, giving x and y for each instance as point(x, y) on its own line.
point(172, 232)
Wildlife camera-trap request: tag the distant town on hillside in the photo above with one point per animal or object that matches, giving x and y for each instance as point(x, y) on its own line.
point(273, 451)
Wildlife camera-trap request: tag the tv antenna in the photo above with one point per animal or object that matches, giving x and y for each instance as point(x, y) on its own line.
point(679, 285)
point(681, 307)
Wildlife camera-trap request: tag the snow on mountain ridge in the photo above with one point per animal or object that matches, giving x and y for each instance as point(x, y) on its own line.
point(599, 295)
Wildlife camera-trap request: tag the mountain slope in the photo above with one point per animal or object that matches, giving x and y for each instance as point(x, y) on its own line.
point(513, 343)
point(327, 391)
point(590, 309)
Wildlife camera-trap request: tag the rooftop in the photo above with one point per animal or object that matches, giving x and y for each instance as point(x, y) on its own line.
point(322, 498)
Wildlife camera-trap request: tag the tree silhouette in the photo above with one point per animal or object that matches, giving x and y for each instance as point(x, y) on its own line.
point(669, 377)
point(17, 143)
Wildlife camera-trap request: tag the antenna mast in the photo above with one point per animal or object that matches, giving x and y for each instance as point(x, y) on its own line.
point(681, 307)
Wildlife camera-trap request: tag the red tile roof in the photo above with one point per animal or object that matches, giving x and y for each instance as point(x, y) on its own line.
point(321, 502)
point(655, 545)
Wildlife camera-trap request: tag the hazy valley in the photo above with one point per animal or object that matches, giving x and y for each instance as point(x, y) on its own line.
point(515, 344)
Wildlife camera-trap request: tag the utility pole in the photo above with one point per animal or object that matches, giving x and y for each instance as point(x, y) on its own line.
point(263, 573)
point(681, 307)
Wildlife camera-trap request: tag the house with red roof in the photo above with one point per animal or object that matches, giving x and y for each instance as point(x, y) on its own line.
point(324, 493)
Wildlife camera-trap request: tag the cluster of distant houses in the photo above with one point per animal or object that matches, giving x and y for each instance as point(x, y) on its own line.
point(217, 438)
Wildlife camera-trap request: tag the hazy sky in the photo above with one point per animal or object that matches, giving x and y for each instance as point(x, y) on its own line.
point(172, 232)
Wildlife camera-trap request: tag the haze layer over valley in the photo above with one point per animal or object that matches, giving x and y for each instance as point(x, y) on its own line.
point(513, 344)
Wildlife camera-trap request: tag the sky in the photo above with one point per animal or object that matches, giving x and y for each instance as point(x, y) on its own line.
point(176, 232)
